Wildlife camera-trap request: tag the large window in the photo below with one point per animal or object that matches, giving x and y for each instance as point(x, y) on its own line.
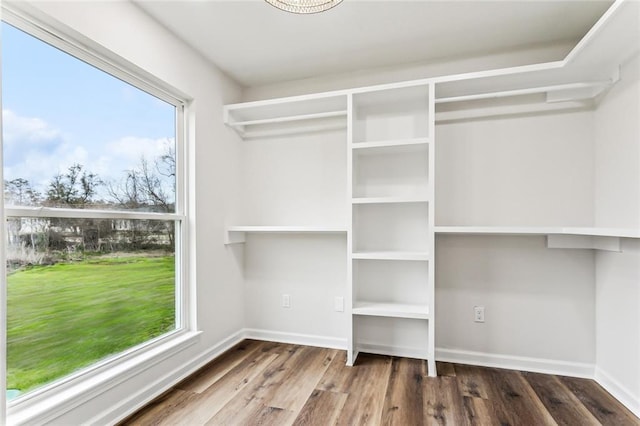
point(94, 213)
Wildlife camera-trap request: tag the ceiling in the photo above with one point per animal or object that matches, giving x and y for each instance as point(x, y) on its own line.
point(257, 44)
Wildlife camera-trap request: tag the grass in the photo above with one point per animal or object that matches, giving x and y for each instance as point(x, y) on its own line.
point(64, 317)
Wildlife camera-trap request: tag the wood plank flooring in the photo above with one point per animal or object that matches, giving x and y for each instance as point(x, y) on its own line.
point(264, 383)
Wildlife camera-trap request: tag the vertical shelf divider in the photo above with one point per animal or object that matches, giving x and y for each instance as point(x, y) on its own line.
point(431, 360)
point(351, 350)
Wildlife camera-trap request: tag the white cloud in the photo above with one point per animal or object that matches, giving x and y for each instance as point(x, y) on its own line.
point(29, 130)
point(32, 148)
point(36, 151)
point(130, 149)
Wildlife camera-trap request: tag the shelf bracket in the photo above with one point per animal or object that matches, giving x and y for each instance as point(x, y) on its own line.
point(580, 92)
point(584, 242)
point(234, 237)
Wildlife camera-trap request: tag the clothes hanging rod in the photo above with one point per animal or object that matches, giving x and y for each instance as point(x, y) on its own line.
point(528, 91)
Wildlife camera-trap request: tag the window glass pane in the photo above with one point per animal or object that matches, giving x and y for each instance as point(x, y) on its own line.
point(81, 290)
point(74, 136)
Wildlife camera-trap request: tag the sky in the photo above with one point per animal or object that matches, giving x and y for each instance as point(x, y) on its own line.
point(58, 111)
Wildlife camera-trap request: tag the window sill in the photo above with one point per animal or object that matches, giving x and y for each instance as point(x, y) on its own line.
point(55, 400)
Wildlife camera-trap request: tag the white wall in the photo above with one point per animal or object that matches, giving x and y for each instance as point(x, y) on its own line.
point(122, 28)
point(617, 148)
point(617, 190)
point(294, 180)
point(312, 270)
point(539, 302)
point(520, 170)
point(618, 323)
point(534, 170)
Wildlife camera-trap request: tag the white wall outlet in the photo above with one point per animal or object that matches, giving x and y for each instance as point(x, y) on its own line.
point(286, 301)
point(478, 313)
point(338, 304)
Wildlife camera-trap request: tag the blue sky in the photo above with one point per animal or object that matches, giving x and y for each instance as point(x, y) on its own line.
point(57, 111)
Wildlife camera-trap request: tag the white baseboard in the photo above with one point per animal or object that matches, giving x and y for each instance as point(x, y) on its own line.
point(618, 391)
point(129, 405)
point(295, 338)
point(510, 362)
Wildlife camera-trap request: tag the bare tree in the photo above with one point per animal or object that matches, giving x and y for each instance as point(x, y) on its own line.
point(166, 163)
point(20, 192)
point(75, 188)
point(149, 187)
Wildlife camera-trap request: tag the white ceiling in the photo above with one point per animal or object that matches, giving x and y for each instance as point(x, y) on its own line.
point(256, 44)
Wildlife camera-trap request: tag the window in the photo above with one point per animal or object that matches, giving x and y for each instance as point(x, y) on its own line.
point(94, 208)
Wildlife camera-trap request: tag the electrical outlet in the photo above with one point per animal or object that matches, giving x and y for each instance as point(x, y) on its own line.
point(478, 313)
point(286, 301)
point(338, 304)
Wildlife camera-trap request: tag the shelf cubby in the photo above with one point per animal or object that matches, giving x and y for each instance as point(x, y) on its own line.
point(394, 282)
point(391, 114)
point(386, 227)
point(391, 335)
point(391, 171)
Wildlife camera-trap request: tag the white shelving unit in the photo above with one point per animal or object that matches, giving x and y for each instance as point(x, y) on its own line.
point(390, 137)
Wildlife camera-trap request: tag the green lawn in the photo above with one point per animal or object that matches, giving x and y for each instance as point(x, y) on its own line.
point(67, 316)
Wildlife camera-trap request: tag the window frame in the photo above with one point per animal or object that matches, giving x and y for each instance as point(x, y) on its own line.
point(55, 398)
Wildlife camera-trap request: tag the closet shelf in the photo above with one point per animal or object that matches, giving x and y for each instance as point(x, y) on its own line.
point(390, 200)
point(275, 120)
point(236, 234)
point(581, 90)
point(393, 310)
point(326, 111)
point(391, 255)
point(524, 230)
point(398, 143)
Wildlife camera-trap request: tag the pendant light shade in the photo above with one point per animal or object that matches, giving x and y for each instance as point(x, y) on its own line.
point(304, 6)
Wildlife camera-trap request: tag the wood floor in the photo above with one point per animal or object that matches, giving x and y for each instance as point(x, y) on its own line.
point(264, 383)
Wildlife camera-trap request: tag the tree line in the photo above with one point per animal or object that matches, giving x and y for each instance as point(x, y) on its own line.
point(144, 187)
point(149, 186)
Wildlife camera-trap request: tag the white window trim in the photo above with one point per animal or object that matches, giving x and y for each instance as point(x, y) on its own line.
point(40, 212)
point(52, 400)
point(48, 403)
